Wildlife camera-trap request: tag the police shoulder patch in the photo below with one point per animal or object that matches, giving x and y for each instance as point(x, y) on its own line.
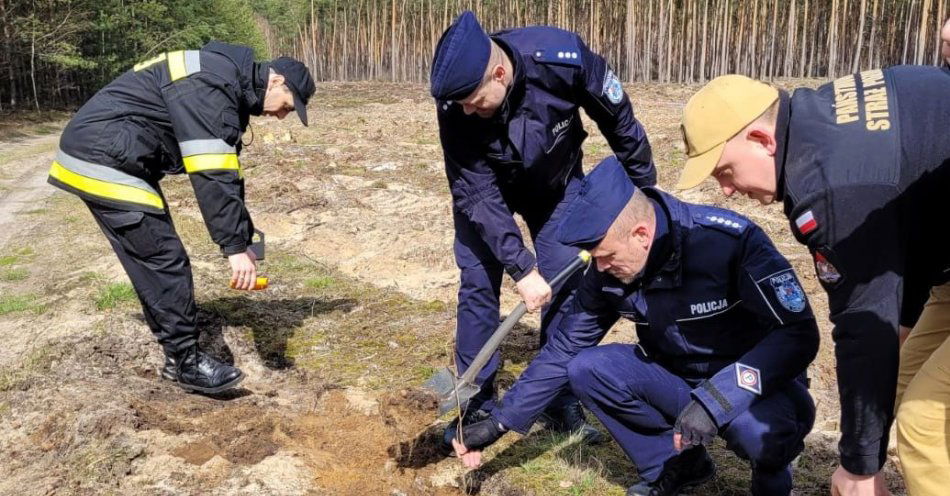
point(788, 292)
point(749, 378)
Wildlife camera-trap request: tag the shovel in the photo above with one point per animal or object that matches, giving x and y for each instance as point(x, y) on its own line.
point(457, 391)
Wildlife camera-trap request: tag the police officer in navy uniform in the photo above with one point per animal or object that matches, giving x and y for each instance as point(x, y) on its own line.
point(508, 111)
point(725, 336)
point(179, 112)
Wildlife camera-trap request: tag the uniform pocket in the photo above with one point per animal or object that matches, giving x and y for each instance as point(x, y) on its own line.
point(133, 231)
point(230, 127)
point(133, 147)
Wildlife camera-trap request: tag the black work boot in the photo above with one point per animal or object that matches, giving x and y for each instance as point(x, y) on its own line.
point(170, 369)
point(200, 372)
point(687, 469)
point(570, 419)
point(451, 430)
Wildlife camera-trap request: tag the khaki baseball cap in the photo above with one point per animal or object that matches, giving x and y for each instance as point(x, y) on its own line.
point(715, 114)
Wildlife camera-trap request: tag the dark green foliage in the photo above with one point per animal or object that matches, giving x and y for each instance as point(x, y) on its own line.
point(71, 48)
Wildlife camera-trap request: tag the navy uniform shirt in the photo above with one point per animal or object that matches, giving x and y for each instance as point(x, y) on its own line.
point(716, 304)
point(862, 167)
point(526, 153)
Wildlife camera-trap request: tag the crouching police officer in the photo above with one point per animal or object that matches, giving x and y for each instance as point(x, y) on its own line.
point(508, 110)
point(725, 336)
point(861, 164)
point(182, 111)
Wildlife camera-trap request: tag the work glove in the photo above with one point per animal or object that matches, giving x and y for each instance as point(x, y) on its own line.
point(482, 434)
point(695, 425)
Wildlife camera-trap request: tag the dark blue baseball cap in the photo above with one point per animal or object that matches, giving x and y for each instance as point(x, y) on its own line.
point(297, 78)
point(460, 60)
point(602, 196)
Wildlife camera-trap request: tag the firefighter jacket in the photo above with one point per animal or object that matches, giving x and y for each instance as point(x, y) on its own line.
point(178, 112)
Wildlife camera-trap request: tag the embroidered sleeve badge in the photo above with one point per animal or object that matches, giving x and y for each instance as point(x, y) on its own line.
point(827, 273)
point(748, 378)
point(789, 293)
point(612, 87)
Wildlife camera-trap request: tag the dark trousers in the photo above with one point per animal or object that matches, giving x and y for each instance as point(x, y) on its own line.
point(638, 401)
point(481, 276)
point(155, 260)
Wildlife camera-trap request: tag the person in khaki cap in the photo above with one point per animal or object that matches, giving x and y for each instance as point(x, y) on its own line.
point(861, 165)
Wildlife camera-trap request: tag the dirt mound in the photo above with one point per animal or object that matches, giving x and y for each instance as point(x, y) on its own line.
point(355, 453)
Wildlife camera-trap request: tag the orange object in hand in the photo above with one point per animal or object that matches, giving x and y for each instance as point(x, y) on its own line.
point(260, 283)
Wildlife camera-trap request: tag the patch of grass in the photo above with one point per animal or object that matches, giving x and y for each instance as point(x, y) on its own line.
point(20, 303)
point(349, 332)
point(20, 255)
point(114, 295)
point(13, 275)
point(547, 463)
point(320, 282)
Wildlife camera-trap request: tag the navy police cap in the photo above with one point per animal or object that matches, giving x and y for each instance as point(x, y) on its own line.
point(460, 60)
point(602, 196)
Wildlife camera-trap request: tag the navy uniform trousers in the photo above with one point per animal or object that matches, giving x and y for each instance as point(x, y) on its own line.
point(638, 401)
point(481, 276)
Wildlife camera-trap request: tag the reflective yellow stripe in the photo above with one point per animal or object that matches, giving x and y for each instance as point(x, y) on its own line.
point(105, 189)
point(153, 60)
point(176, 65)
point(212, 161)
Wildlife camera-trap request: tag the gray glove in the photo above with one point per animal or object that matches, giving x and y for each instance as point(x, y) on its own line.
point(695, 425)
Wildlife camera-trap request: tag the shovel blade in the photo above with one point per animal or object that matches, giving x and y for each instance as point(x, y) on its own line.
point(442, 383)
point(458, 397)
point(451, 391)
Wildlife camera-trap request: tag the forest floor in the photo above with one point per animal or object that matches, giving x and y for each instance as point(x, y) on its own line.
point(359, 313)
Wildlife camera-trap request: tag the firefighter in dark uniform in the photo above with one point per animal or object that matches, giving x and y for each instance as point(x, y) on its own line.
point(862, 165)
point(508, 110)
point(725, 336)
point(179, 112)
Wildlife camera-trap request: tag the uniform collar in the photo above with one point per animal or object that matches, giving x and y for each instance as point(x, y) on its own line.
point(781, 143)
point(516, 89)
point(253, 96)
point(663, 267)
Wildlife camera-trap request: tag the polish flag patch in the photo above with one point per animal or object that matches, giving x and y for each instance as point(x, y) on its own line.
point(806, 222)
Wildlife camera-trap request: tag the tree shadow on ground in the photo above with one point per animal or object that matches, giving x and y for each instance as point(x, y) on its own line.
point(271, 322)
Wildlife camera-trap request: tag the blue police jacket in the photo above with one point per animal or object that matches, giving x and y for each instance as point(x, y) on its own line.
point(716, 304)
point(862, 164)
point(523, 157)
